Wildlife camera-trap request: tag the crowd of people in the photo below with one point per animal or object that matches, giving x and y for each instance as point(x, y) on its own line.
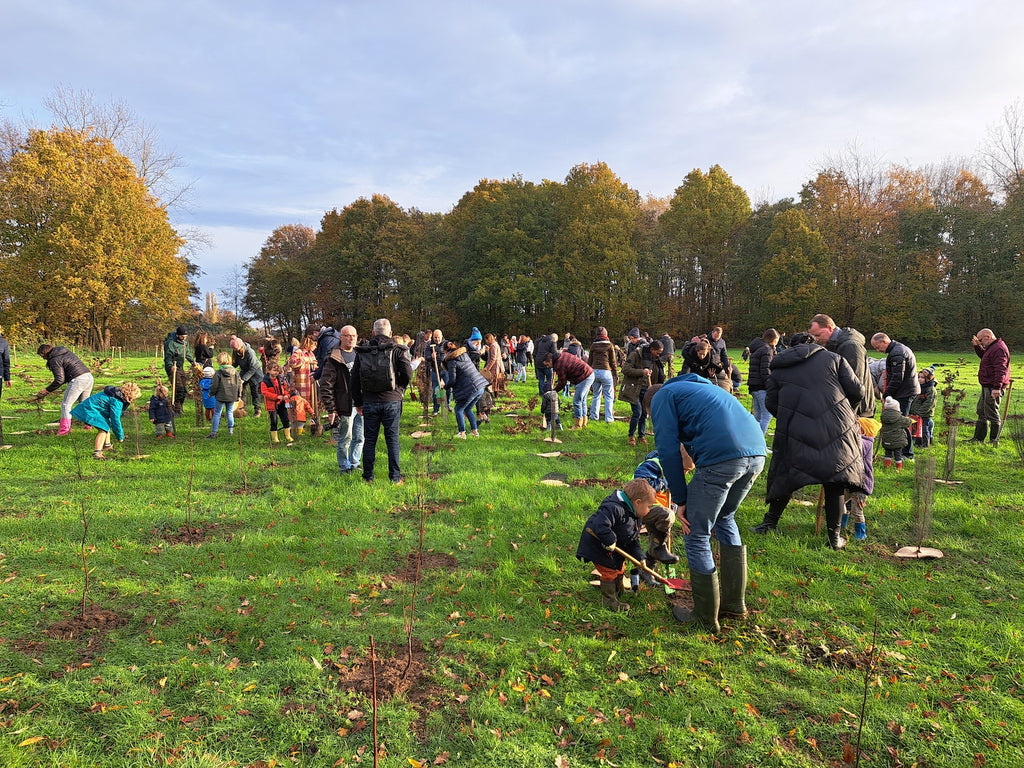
point(819, 386)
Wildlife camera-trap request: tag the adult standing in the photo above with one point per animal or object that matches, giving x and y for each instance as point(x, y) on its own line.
point(435, 360)
point(522, 357)
point(728, 449)
point(66, 369)
point(302, 364)
point(606, 374)
point(202, 343)
point(176, 351)
point(327, 340)
point(543, 347)
point(335, 389)
point(380, 404)
point(994, 377)
point(494, 370)
point(5, 363)
point(849, 344)
point(571, 370)
point(244, 358)
point(643, 369)
point(762, 352)
point(901, 382)
point(723, 375)
point(668, 354)
point(813, 394)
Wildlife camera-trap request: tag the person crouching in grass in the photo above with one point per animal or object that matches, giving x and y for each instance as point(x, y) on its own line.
point(616, 523)
point(103, 411)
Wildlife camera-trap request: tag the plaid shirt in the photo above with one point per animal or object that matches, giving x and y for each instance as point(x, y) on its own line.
point(570, 369)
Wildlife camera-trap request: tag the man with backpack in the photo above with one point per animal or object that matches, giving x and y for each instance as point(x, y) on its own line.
point(380, 374)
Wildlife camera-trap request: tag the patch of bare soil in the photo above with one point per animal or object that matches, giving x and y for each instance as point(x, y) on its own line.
point(519, 427)
point(390, 672)
point(94, 620)
point(428, 561)
point(605, 482)
point(196, 533)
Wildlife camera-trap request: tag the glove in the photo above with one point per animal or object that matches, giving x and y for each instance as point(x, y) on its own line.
point(634, 582)
point(610, 547)
point(649, 580)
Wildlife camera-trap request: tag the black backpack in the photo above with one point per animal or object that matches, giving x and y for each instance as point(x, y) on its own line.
point(376, 368)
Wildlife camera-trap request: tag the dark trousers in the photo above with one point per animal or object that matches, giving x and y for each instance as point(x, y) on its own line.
point(375, 416)
point(905, 410)
point(544, 374)
point(280, 411)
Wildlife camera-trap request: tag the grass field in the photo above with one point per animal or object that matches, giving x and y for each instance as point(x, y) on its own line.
point(233, 594)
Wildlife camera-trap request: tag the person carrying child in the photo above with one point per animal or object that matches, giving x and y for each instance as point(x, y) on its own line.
point(225, 388)
point(103, 411)
point(895, 433)
point(923, 407)
point(160, 413)
point(857, 498)
point(275, 396)
point(616, 523)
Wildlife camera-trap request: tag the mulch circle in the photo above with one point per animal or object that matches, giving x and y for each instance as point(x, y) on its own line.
point(392, 670)
point(93, 619)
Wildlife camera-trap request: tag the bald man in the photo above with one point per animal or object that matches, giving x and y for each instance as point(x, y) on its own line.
point(994, 377)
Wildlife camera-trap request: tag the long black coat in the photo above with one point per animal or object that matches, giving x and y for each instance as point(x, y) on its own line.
point(813, 393)
point(761, 355)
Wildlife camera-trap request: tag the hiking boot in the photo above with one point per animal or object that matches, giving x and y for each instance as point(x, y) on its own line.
point(631, 440)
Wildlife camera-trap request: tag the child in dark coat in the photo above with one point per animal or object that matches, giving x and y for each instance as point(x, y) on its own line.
point(160, 413)
point(549, 407)
point(616, 523)
point(895, 434)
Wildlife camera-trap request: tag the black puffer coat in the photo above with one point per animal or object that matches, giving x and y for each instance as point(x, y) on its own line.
point(812, 393)
point(761, 355)
point(464, 378)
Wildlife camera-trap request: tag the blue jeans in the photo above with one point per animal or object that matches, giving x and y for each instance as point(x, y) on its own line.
point(543, 374)
point(579, 400)
point(464, 410)
point(520, 372)
point(761, 414)
point(712, 497)
point(375, 416)
point(230, 408)
point(603, 385)
point(348, 433)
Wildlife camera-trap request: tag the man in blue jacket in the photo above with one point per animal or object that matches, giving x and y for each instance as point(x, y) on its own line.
point(728, 449)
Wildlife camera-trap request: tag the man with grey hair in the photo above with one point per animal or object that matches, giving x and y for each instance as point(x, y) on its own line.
point(994, 377)
point(336, 395)
point(901, 382)
point(379, 376)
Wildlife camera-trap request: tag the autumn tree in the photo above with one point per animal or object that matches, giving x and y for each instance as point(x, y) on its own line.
point(704, 220)
point(85, 250)
point(794, 280)
point(278, 281)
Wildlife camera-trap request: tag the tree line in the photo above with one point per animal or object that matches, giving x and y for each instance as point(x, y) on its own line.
point(929, 255)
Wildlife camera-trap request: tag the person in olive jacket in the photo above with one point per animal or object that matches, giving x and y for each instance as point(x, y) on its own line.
point(813, 394)
point(245, 359)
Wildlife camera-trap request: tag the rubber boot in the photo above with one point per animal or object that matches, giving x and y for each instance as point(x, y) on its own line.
point(706, 600)
point(65, 427)
point(994, 433)
point(860, 531)
point(733, 582)
point(888, 462)
point(770, 522)
point(836, 540)
point(844, 520)
point(273, 436)
point(288, 435)
point(899, 465)
point(659, 552)
point(610, 595)
point(980, 429)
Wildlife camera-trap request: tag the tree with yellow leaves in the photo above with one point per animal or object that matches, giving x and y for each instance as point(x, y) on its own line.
point(85, 250)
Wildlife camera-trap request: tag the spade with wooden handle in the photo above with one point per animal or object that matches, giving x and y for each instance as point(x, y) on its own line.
point(682, 584)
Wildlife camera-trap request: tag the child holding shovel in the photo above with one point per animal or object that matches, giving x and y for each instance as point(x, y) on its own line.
point(616, 525)
point(103, 411)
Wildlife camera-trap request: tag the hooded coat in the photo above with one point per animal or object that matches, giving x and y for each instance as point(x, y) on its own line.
point(812, 393)
point(848, 343)
point(464, 378)
point(103, 411)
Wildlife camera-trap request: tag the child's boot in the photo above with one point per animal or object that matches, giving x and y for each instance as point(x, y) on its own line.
point(288, 435)
point(860, 531)
point(899, 465)
point(659, 551)
point(610, 595)
point(273, 436)
point(301, 430)
point(888, 462)
point(65, 427)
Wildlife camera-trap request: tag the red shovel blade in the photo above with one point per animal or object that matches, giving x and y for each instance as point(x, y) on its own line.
point(682, 585)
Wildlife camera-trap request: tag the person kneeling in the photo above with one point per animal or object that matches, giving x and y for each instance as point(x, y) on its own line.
point(615, 525)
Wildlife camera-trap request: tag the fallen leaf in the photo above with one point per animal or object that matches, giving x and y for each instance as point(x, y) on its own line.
point(30, 741)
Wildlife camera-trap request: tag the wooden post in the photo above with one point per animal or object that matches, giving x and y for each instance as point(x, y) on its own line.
point(819, 513)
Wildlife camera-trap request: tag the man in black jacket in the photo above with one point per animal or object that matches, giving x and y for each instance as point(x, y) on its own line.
point(542, 347)
point(336, 396)
point(848, 343)
point(384, 407)
point(901, 383)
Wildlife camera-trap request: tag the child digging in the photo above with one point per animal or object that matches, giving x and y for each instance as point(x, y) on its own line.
point(616, 523)
point(103, 411)
point(160, 413)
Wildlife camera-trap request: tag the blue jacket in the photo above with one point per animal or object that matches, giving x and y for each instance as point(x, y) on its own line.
point(208, 400)
point(709, 421)
point(103, 411)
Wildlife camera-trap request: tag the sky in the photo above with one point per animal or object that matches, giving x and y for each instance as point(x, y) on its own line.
point(281, 112)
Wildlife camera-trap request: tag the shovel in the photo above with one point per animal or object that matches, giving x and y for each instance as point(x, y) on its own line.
point(679, 584)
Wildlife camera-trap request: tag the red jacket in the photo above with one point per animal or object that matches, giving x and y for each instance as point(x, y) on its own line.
point(274, 391)
point(994, 371)
point(570, 370)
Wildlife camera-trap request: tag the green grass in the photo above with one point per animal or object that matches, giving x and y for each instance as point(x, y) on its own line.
point(238, 650)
